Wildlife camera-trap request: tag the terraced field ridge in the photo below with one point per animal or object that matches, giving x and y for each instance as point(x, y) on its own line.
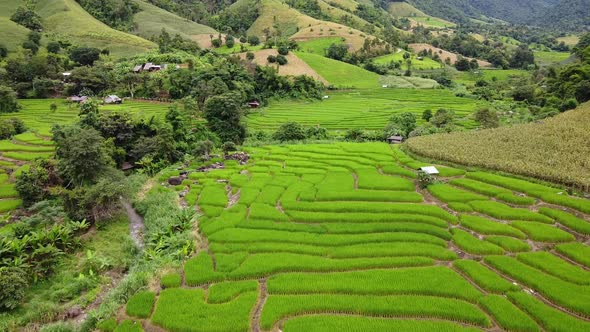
point(339, 237)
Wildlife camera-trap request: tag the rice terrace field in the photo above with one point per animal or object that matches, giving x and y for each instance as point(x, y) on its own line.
point(363, 108)
point(339, 237)
point(36, 142)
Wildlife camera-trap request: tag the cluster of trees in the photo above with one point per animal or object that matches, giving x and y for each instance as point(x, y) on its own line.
point(26, 16)
point(117, 14)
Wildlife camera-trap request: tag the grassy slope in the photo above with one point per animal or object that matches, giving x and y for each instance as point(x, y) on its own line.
point(66, 19)
point(555, 149)
point(274, 12)
point(151, 20)
point(12, 34)
point(340, 73)
point(404, 9)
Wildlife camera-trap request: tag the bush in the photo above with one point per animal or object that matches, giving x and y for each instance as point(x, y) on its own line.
point(253, 40)
point(216, 43)
point(290, 131)
point(86, 56)
point(283, 50)
point(13, 283)
point(250, 56)
point(271, 59)
point(229, 147)
point(27, 18)
point(282, 60)
point(53, 47)
point(8, 100)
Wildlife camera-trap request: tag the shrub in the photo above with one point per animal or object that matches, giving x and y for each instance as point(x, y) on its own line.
point(271, 59)
point(8, 100)
point(253, 40)
point(216, 43)
point(290, 131)
point(283, 50)
point(140, 305)
point(12, 292)
point(250, 56)
point(282, 60)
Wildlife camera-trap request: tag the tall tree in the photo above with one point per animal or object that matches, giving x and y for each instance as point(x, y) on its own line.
point(223, 114)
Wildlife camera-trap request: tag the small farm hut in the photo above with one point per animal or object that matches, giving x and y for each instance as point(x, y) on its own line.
point(430, 170)
point(113, 99)
point(396, 139)
point(254, 104)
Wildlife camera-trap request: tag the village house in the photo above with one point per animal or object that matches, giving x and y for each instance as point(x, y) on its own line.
point(113, 99)
point(396, 139)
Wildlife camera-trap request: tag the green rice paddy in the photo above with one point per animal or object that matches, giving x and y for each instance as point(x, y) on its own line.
point(364, 108)
point(320, 238)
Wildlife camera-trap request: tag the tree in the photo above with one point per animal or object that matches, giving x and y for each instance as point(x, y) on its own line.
point(271, 59)
point(290, 131)
point(203, 149)
point(283, 50)
point(463, 64)
point(80, 153)
point(53, 47)
point(522, 57)
point(400, 124)
point(216, 43)
point(337, 51)
point(8, 101)
point(223, 114)
point(355, 135)
point(442, 117)
point(250, 56)
point(281, 60)
point(32, 184)
point(427, 115)
point(26, 17)
point(86, 56)
point(3, 51)
point(30, 45)
point(487, 118)
point(253, 40)
point(230, 41)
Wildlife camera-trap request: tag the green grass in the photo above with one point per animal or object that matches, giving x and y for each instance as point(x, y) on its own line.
point(9, 204)
point(186, 309)
point(68, 19)
point(340, 73)
point(508, 316)
point(555, 266)
point(107, 325)
point(492, 191)
point(575, 251)
point(484, 277)
point(505, 212)
point(488, 227)
point(150, 21)
point(433, 22)
point(571, 296)
point(473, 245)
point(408, 281)
point(325, 323)
point(318, 45)
point(171, 280)
point(568, 220)
point(509, 243)
point(364, 108)
point(542, 232)
point(425, 63)
point(129, 326)
point(140, 305)
point(449, 194)
point(281, 306)
point(545, 58)
point(227, 291)
point(13, 35)
point(551, 319)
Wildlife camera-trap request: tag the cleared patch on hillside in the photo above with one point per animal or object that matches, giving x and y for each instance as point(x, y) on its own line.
point(340, 74)
point(555, 149)
point(13, 35)
point(444, 54)
point(294, 67)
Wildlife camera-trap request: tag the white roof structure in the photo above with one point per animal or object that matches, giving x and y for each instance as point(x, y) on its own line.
point(431, 170)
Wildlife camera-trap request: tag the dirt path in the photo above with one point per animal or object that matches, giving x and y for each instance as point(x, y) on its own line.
point(263, 294)
point(136, 224)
